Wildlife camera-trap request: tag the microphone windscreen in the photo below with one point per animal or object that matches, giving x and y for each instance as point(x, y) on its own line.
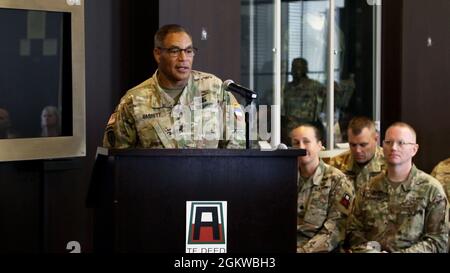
point(374, 245)
point(282, 146)
point(227, 83)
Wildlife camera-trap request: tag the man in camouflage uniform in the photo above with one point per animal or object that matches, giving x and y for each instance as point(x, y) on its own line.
point(325, 196)
point(403, 209)
point(442, 173)
point(304, 98)
point(177, 107)
point(365, 158)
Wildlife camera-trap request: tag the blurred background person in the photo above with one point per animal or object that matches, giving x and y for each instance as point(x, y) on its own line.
point(303, 99)
point(6, 130)
point(50, 122)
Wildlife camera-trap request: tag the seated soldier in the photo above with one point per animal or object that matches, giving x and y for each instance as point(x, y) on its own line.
point(324, 199)
point(403, 209)
point(365, 158)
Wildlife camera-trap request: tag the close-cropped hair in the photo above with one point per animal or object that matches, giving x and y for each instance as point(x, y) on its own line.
point(357, 124)
point(317, 132)
point(165, 30)
point(404, 125)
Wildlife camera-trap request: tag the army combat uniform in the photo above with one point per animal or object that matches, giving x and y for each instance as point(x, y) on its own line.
point(204, 116)
point(359, 176)
point(303, 102)
point(323, 205)
point(442, 173)
point(411, 217)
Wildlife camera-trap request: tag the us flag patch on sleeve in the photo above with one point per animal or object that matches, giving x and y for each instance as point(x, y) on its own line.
point(238, 113)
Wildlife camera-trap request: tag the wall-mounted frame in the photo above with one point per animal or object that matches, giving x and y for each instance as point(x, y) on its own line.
point(43, 63)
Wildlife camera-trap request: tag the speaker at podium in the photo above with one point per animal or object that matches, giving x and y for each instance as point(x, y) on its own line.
point(153, 201)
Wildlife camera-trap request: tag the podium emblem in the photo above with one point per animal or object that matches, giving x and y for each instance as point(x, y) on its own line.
point(206, 223)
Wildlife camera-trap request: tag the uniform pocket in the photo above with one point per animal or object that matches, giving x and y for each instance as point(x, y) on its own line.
point(317, 210)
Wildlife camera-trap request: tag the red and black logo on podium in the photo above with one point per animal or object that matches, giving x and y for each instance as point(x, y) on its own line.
point(206, 226)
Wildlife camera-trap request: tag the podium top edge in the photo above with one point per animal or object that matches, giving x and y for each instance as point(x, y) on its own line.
point(203, 152)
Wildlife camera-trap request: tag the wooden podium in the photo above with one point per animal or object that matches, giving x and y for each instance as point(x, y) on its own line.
point(140, 198)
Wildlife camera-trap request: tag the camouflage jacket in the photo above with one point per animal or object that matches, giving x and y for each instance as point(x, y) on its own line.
point(442, 173)
point(147, 117)
point(323, 205)
point(410, 218)
point(303, 102)
point(359, 176)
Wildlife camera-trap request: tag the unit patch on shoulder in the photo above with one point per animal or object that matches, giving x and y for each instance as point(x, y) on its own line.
point(345, 200)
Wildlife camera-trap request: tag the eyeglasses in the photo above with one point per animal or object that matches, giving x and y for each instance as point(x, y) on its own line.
point(400, 143)
point(176, 51)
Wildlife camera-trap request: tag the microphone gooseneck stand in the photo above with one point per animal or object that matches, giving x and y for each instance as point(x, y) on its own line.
point(249, 96)
point(248, 101)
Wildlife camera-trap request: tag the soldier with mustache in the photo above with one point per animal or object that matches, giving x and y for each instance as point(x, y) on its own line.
point(177, 107)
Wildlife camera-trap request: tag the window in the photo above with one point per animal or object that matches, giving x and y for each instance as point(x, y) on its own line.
point(305, 48)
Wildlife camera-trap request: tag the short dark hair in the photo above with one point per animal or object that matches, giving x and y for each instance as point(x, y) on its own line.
point(357, 124)
point(165, 30)
point(317, 131)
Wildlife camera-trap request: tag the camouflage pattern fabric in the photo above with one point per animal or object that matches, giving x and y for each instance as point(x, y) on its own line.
point(303, 102)
point(359, 176)
point(323, 205)
point(147, 117)
point(442, 173)
point(412, 217)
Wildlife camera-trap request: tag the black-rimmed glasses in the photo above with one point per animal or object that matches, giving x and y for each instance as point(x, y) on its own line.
point(176, 51)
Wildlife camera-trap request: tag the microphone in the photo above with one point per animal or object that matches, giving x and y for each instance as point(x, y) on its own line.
point(373, 246)
point(282, 146)
point(229, 85)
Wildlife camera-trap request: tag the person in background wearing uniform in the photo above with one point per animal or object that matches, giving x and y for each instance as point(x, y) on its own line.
point(50, 122)
point(325, 196)
point(403, 209)
point(365, 158)
point(177, 107)
point(304, 98)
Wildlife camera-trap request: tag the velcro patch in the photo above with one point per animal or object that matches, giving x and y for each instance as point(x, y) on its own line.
point(238, 112)
point(345, 200)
